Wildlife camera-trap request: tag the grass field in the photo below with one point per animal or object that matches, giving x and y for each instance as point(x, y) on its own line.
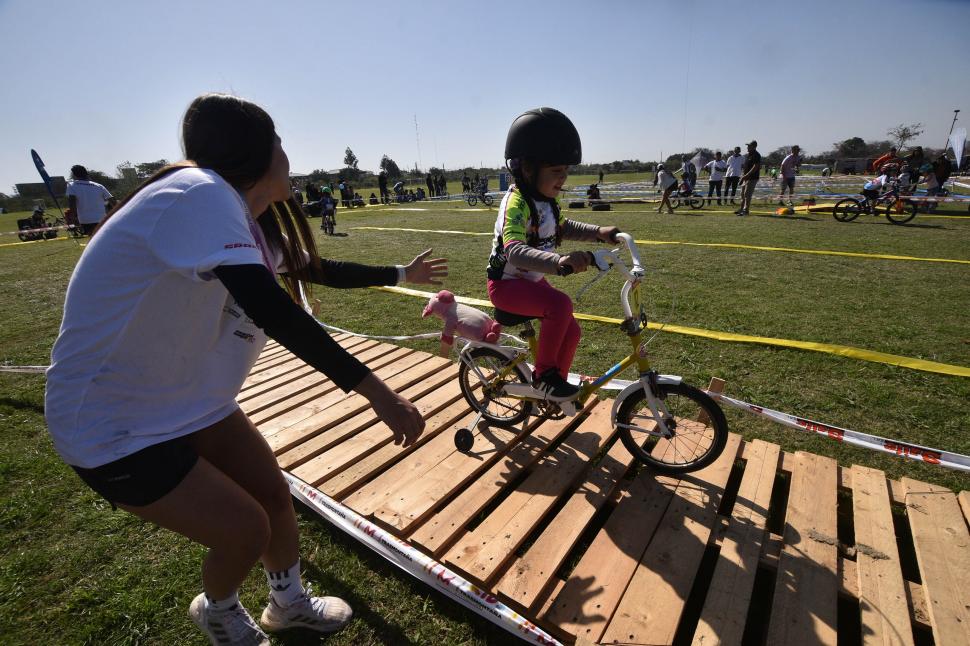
point(71, 568)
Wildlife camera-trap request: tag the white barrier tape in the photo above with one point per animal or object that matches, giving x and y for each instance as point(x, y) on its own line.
point(865, 440)
point(402, 554)
point(39, 370)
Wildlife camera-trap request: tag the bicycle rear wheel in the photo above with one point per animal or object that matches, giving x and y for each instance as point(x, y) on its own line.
point(699, 426)
point(489, 369)
point(847, 210)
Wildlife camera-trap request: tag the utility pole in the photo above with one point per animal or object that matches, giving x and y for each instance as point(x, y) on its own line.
point(417, 140)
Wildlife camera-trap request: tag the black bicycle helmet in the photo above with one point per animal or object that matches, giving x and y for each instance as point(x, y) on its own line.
point(544, 135)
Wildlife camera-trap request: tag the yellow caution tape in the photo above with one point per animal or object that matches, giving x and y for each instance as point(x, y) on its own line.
point(827, 348)
point(725, 245)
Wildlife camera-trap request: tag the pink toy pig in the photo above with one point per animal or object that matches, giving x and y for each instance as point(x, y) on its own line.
point(462, 320)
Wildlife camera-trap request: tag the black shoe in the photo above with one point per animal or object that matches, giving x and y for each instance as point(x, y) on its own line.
point(553, 385)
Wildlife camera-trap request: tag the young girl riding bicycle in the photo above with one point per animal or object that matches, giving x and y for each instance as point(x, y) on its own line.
point(541, 145)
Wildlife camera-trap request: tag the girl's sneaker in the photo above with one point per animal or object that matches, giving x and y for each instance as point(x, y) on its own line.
point(554, 386)
point(233, 627)
point(324, 614)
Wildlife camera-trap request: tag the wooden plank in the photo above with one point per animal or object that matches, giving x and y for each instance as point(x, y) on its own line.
point(292, 433)
point(412, 487)
point(530, 575)
point(360, 471)
point(273, 420)
point(291, 364)
point(301, 370)
point(436, 534)
point(882, 594)
point(595, 586)
point(654, 600)
point(943, 553)
point(294, 388)
point(484, 551)
point(806, 590)
point(429, 396)
point(964, 499)
point(726, 605)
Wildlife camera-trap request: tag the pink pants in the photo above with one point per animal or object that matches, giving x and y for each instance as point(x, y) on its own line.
point(559, 332)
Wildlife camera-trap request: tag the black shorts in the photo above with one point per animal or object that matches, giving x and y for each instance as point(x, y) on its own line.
point(144, 477)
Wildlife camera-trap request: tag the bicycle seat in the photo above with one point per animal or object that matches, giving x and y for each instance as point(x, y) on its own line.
point(508, 318)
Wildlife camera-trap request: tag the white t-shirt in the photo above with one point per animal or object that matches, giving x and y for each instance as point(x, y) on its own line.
point(152, 346)
point(717, 168)
point(788, 165)
point(734, 165)
point(90, 200)
point(665, 178)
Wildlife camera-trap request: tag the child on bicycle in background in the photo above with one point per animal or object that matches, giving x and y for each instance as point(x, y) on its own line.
point(328, 207)
point(541, 146)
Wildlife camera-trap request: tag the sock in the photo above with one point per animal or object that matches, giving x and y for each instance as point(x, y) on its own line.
point(223, 605)
point(285, 586)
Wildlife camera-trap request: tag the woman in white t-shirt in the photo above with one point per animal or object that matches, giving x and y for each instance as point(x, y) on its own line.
point(166, 312)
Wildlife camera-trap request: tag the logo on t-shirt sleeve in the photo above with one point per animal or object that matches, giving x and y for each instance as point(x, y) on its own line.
point(237, 245)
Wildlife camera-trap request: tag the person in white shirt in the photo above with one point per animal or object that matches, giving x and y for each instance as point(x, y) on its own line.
point(789, 167)
point(735, 162)
point(716, 167)
point(166, 313)
point(667, 183)
point(86, 200)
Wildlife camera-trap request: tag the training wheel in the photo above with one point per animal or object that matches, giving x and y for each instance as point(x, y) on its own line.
point(464, 440)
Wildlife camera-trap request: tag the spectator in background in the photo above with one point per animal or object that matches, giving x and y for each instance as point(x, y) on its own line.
point(601, 177)
point(716, 167)
point(430, 181)
point(883, 159)
point(688, 173)
point(86, 200)
point(734, 164)
point(382, 187)
point(442, 185)
point(750, 173)
point(312, 192)
point(942, 168)
point(667, 183)
point(915, 161)
point(466, 183)
point(789, 166)
point(297, 194)
point(372, 200)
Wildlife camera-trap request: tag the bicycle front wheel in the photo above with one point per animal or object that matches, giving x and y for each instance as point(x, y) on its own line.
point(472, 200)
point(481, 376)
point(904, 215)
point(696, 202)
point(847, 210)
point(699, 428)
point(487, 200)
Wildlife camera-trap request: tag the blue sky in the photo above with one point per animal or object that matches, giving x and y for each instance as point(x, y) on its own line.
point(101, 82)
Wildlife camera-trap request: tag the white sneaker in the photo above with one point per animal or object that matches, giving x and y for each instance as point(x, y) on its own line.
point(324, 614)
point(232, 627)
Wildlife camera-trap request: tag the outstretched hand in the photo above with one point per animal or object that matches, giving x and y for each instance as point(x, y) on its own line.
point(607, 234)
point(422, 270)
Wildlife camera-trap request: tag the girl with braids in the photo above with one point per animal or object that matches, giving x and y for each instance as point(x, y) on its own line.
point(540, 147)
point(166, 312)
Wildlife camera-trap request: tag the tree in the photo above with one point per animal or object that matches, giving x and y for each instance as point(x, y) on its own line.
point(350, 159)
point(903, 133)
point(103, 178)
point(852, 147)
point(319, 176)
point(145, 170)
point(390, 167)
point(775, 157)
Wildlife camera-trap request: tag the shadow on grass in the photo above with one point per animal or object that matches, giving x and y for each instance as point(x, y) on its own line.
point(20, 404)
